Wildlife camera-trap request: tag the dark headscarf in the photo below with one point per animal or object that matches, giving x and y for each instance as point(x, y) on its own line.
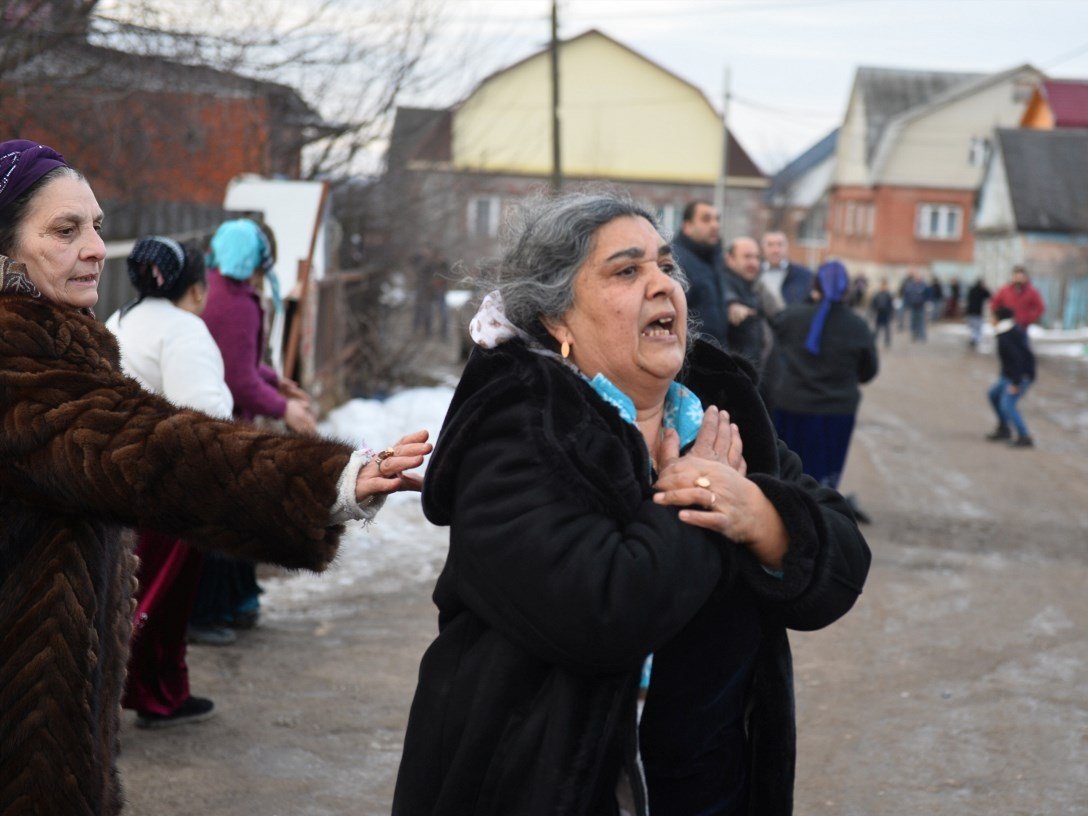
point(833, 285)
point(159, 266)
point(22, 163)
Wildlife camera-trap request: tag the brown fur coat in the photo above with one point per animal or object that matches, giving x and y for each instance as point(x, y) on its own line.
point(84, 453)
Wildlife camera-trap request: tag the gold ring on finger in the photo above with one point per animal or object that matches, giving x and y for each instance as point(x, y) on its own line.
point(713, 499)
point(702, 481)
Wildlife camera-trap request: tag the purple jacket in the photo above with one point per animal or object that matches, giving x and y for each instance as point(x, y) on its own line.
point(234, 318)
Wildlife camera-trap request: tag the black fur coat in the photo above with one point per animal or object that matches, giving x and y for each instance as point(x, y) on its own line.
point(84, 453)
point(563, 574)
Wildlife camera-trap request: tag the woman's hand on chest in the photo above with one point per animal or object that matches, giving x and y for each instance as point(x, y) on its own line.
point(710, 484)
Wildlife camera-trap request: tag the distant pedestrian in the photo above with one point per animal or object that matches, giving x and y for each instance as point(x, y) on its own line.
point(915, 297)
point(1017, 375)
point(952, 304)
point(1019, 295)
point(977, 296)
point(935, 295)
point(826, 351)
point(859, 290)
point(882, 306)
point(432, 281)
point(790, 281)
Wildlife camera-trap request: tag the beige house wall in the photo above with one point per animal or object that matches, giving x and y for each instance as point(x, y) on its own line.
point(633, 121)
point(851, 169)
point(933, 149)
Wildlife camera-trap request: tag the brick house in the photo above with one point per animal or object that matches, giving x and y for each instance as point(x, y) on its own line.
point(158, 140)
point(909, 161)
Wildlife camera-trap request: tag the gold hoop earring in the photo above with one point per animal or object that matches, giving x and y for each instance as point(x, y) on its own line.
point(564, 349)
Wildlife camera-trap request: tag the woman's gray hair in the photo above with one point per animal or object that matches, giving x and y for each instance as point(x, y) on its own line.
point(13, 215)
point(547, 243)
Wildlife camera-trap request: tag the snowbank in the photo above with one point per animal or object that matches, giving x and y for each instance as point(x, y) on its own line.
point(400, 547)
point(1047, 342)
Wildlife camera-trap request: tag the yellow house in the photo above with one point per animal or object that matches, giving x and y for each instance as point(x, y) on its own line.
point(621, 117)
point(624, 120)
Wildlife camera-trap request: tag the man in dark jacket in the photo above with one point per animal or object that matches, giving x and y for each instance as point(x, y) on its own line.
point(1017, 375)
point(792, 282)
point(698, 250)
point(977, 296)
point(882, 306)
point(915, 295)
point(750, 306)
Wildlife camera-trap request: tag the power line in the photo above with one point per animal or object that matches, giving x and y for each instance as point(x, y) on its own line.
point(1076, 52)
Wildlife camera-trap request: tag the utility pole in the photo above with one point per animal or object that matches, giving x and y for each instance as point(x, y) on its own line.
point(557, 164)
point(719, 188)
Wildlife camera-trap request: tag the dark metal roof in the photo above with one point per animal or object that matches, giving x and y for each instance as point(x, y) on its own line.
point(1046, 171)
point(888, 92)
point(785, 178)
point(81, 64)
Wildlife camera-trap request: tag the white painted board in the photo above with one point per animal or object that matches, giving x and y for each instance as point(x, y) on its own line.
point(291, 209)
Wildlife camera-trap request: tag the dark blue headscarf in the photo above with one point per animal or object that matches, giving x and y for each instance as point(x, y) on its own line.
point(833, 284)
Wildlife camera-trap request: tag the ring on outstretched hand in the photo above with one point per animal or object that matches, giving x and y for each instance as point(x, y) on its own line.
point(702, 481)
point(381, 457)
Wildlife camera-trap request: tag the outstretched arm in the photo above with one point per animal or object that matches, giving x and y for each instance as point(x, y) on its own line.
point(78, 436)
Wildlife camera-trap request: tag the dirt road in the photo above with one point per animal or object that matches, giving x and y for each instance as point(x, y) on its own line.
point(958, 685)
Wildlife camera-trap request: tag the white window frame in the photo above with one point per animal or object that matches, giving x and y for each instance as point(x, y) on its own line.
point(494, 212)
point(944, 213)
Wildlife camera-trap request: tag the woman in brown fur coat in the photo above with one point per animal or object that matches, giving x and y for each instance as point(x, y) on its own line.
point(86, 452)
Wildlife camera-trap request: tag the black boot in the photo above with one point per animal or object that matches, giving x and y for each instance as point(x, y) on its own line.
point(1000, 433)
point(1022, 442)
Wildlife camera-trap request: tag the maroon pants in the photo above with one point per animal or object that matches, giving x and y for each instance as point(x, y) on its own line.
point(158, 679)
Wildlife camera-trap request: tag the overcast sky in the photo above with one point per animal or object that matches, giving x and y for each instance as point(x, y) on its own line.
point(791, 62)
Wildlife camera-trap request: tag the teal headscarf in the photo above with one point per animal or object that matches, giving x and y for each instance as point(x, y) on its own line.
point(240, 248)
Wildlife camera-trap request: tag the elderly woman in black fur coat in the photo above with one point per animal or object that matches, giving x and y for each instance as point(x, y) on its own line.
point(614, 492)
point(85, 450)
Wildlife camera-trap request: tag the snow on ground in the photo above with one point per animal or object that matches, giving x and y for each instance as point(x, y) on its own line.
point(1048, 342)
point(400, 547)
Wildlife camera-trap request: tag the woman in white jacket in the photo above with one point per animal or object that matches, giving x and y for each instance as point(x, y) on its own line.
point(166, 346)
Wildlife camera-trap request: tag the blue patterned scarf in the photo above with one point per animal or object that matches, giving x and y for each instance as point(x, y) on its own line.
point(683, 410)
